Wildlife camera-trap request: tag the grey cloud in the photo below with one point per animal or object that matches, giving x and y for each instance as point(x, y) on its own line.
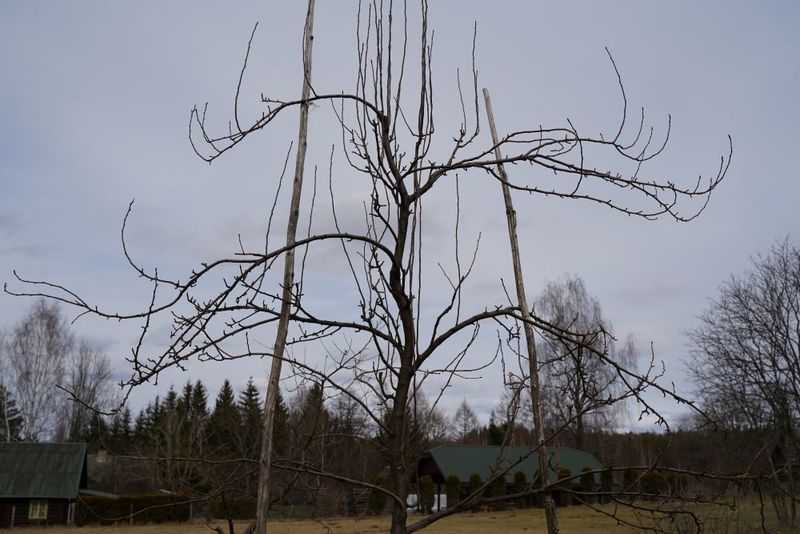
point(25, 251)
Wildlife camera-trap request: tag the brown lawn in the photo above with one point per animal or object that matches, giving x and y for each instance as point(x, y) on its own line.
point(574, 520)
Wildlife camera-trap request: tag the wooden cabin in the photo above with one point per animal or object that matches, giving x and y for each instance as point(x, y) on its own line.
point(39, 483)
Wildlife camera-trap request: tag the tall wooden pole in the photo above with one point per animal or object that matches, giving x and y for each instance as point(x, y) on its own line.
point(288, 281)
point(533, 363)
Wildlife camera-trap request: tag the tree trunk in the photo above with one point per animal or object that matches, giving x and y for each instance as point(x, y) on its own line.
point(398, 422)
point(288, 281)
point(579, 432)
point(530, 342)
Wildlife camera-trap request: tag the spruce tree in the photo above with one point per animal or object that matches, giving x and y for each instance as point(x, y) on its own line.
point(281, 421)
point(251, 415)
point(198, 417)
point(224, 423)
point(120, 432)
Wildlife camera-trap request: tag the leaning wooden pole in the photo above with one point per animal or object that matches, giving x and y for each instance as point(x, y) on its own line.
point(533, 362)
point(288, 281)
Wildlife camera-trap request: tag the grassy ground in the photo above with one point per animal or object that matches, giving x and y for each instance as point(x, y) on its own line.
point(574, 520)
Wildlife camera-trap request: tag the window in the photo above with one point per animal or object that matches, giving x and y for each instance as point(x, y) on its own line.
point(37, 510)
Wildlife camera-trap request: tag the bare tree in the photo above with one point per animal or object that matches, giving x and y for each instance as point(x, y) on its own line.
point(394, 337)
point(577, 384)
point(746, 358)
point(88, 384)
point(38, 348)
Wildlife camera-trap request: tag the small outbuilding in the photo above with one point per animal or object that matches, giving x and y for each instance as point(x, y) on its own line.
point(463, 461)
point(39, 482)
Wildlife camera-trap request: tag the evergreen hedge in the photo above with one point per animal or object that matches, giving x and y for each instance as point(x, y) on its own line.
point(587, 483)
point(453, 485)
point(475, 482)
point(498, 489)
point(520, 485)
point(606, 483)
point(564, 498)
point(426, 491)
point(377, 499)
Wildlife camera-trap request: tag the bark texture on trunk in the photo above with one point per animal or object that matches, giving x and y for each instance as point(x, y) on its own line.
point(398, 420)
point(288, 281)
point(533, 363)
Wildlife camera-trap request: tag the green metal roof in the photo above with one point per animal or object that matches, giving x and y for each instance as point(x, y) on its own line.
point(465, 460)
point(45, 470)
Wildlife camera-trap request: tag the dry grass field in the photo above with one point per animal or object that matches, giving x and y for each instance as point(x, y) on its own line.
point(573, 520)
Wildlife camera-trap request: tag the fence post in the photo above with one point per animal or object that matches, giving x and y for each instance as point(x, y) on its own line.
point(13, 514)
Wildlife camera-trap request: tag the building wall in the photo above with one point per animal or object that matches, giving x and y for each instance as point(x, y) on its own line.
point(56, 512)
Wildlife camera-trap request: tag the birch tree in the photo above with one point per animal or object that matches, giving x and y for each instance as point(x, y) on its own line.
point(576, 384)
point(37, 351)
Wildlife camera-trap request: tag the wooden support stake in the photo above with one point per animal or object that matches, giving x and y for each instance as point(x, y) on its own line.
point(530, 341)
point(288, 281)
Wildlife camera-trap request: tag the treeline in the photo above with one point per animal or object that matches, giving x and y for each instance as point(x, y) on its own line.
point(184, 442)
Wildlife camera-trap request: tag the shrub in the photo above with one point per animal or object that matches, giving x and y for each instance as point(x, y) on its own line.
point(629, 481)
point(653, 483)
point(475, 482)
point(587, 483)
point(538, 498)
point(453, 485)
point(377, 499)
point(606, 482)
point(499, 490)
point(520, 485)
point(426, 497)
point(587, 479)
point(563, 496)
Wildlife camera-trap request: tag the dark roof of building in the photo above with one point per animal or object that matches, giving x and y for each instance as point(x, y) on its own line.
point(43, 470)
point(465, 460)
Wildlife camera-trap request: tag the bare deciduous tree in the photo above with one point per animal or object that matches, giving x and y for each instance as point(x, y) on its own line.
point(38, 349)
point(393, 337)
point(577, 385)
point(87, 381)
point(746, 359)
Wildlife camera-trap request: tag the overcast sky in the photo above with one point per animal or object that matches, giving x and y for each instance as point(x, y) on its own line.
point(95, 99)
